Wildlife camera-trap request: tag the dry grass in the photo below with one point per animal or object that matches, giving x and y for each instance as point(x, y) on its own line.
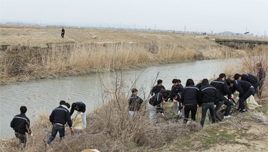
point(247, 62)
point(109, 129)
point(23, 62)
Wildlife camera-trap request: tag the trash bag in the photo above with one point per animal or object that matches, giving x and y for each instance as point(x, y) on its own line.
point(198, 114)
point(250, 103)
point(78, 122)
point(170, 110)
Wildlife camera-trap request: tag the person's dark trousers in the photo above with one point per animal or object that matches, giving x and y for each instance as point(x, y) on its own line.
point(229, 106)
point(218, 106)
point(190, 108)
point(256, 87)
point(56, 128)
point(180, 107)
point(62, 35)
point(205, 107)
point(261, 83)
point(22, 138)
point(242, 100)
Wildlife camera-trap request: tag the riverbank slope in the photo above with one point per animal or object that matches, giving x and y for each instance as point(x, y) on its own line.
point(29, 53)
point(111, 129)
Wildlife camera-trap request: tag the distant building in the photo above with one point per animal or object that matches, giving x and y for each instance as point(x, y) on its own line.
point(247, 34)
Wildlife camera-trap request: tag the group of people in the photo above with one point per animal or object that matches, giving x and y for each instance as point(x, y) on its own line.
point(207, 95)
point(58, 118)
point(188, 98)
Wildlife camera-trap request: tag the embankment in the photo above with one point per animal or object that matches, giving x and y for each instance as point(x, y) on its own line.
point(30, 53)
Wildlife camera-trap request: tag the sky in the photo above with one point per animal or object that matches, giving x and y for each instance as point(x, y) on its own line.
point(237, 16)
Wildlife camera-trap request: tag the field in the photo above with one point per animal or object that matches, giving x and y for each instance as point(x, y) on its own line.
point(29, 53)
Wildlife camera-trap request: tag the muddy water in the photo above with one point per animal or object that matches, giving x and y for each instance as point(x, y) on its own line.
point(46, 94)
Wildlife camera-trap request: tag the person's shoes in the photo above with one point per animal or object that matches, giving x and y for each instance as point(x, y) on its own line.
point(243, 111)
point(225, 117)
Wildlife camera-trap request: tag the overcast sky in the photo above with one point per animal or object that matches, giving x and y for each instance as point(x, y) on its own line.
point(196, 15)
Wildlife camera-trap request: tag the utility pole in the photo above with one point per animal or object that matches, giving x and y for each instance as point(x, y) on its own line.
point(184, 28)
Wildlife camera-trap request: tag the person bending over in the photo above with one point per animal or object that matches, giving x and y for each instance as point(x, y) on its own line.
point(249, 78)
point(80, 107)
point(21, 125)
point(223, 89)
point(245, 90)
point(154, 103)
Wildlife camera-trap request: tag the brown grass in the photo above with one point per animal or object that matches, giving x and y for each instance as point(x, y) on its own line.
point(109, 129)
point(23, 61)
point(247, 62)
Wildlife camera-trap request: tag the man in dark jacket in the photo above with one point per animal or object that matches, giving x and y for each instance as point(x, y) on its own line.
point(58, 118)
point(156, 89)
point(249, 78)
point(261, 78)
point(189, 97)
point(62, 32)
point(179, 86)
point(207, 96)
point(21, 125)
point(223, 89)
point(80, 107)
point(174, 88)
point(245, 90)
point(154, 103)
point(134, 102)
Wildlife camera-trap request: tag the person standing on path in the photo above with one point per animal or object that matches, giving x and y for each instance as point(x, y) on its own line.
point(62, 32)
point(21, 125)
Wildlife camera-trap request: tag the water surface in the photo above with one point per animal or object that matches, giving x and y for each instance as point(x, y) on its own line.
point(46, 93)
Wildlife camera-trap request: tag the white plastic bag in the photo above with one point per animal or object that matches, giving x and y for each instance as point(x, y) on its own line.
point(250, 103)
point(78, 122)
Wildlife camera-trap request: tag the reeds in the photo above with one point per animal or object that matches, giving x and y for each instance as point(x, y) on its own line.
point(25, 63)
point(109, 128)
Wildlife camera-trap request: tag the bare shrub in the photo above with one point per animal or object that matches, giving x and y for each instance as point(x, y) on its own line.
point(110, 128)
point(257, 55)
